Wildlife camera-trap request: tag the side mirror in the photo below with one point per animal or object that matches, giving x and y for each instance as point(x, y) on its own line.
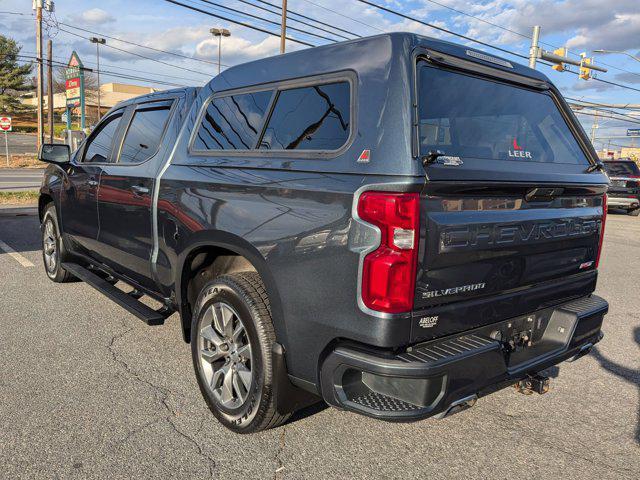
point(57, 153)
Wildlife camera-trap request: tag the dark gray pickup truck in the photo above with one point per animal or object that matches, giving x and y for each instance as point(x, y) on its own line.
point(396, 225)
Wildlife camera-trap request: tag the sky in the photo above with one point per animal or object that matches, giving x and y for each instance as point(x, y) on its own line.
point(580, 25)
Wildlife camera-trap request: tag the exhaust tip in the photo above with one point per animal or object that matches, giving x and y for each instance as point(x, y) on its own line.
point(459, 406)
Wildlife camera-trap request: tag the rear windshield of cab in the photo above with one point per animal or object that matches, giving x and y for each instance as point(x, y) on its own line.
point(622, 169)
point(470, 117)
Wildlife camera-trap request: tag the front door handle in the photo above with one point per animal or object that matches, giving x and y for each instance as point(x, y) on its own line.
point(140, 190)
point(92, 183)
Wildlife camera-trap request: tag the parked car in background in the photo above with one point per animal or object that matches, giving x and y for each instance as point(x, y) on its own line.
point(624, 190)
point(395, 225)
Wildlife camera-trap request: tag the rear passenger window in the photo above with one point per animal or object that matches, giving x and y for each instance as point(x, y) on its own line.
point(233, 122)
point(309, 118)
point(98, 149)
point(144, 134)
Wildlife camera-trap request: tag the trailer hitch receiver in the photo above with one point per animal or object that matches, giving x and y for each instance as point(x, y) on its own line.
point(533, 384)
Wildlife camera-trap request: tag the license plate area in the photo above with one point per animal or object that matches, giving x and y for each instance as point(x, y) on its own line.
point(531, 337)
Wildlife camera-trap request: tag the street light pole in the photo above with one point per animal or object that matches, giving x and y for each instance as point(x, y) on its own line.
point(98, 42)
point(220, 32)
point(637, 59)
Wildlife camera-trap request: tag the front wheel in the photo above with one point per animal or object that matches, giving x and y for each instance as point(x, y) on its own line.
point(52, 247)
point(635, 212)
point(231, 340)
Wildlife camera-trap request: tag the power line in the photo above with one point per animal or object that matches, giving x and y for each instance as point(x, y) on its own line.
point(302, 22)
point(617, 84)
point(595, 78)
point(199, 10)
point(144, 46)
point(293, 12)
point(602, 110)
point(407, 17)
point(606, 116)
point(109, 72)
point(250, 15)
point(141, 56)
point(133, 43)
point(626, 106)
point(136, 70)
point(482, 20)
point(520, 34)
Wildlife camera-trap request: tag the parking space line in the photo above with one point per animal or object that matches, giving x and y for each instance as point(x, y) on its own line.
point(15, 255)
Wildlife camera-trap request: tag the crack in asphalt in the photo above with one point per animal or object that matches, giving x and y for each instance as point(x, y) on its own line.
point(279, 462)
point(161, 394)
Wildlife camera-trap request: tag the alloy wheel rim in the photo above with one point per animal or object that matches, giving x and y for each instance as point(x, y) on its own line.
point(49, 246)
point(225, 355)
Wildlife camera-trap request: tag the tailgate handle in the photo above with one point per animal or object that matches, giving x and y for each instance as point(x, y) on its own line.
point(543, 193)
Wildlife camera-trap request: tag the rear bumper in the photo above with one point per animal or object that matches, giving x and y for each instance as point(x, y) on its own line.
point(433, 378)
point(623, 202)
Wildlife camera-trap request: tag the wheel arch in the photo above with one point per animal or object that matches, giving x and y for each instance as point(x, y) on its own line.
point(43, 200)
point(202, 253)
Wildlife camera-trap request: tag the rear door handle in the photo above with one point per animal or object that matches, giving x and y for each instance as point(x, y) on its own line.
point(140, 190)
point(92, 183)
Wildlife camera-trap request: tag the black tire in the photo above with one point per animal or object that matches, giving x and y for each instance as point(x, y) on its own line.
point(245, 293)
point(53, 248)
point(635, 212)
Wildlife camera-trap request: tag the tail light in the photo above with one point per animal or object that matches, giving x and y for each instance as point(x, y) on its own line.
point(388, 274)
point(604, 221)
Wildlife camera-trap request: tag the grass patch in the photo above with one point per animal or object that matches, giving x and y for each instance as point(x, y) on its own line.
point(21, 161)
point(19, 198)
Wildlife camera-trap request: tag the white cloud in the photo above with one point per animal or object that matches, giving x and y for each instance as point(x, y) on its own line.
point(620, 33)
point(588, 23)
point(93, 16)
point(236, 49)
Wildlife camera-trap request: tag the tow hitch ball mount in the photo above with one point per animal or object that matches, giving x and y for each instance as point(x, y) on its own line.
point(533, 384)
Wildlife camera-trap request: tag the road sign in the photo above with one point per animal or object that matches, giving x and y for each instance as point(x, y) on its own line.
point(74, 87)
point(633, 132)
point(5, 124)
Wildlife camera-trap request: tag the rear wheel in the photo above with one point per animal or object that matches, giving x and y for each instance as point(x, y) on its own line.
point(231, 340)
point(53, 252)
point(635, 212)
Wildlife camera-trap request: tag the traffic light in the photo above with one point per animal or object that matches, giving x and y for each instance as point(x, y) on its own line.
point(585, 71)
point(561, 52)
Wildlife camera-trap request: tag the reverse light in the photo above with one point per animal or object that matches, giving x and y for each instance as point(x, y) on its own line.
point(604, 221)
point(388, 274)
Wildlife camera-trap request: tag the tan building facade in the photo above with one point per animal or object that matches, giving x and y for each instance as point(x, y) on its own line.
point(110, 95)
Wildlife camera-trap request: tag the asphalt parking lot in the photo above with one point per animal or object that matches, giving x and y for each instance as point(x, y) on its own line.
point(89, 391)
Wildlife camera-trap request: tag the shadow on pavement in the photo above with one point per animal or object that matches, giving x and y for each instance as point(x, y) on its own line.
point(308, 411)
point(625, 373)
point(20, 230)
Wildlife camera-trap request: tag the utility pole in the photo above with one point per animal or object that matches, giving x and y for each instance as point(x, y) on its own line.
point(533, 52)
point(594, 127)
point(40, 80)
point(220, 32)
point(50, 88)
point(559, 58)
point(98, 42)
point(283, 27)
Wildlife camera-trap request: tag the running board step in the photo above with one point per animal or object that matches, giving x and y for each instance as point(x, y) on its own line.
point(146, 314)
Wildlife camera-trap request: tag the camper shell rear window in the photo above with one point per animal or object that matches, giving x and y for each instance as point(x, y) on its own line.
point(467, 116)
